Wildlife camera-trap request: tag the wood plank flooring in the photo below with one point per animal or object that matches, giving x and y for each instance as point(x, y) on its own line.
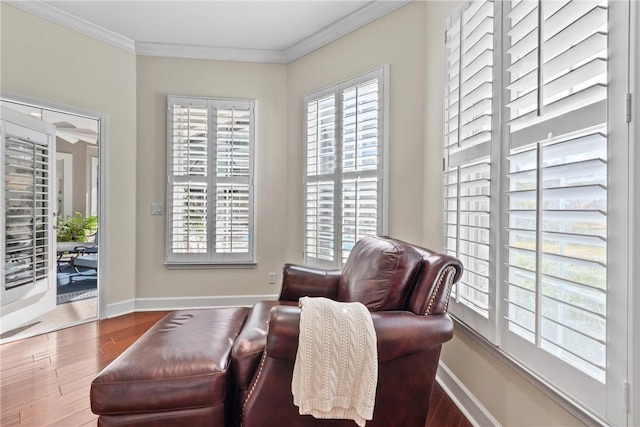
point(443, 412)
point(45, 380)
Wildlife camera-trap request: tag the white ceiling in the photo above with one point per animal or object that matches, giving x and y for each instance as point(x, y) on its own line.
point(265, 31)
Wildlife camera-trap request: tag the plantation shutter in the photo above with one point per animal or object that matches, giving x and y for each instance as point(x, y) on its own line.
point(469, 94)
point(320, 178)
point(360, 162)
point(556, 250)
point(344, 152)
point(210, 190)
point(543, 188)
point(233, 178)
point(189, 173)
point(27, 211)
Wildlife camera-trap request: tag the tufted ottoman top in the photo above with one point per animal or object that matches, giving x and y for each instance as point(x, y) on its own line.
point(180, 363)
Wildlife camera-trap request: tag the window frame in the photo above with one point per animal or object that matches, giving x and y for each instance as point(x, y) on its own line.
point(338, 176)
point(211, 258)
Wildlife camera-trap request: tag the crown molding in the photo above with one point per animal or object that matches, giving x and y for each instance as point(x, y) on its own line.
point(50, 13)
point(357, 19)
point(210, 52)
point(344, 26)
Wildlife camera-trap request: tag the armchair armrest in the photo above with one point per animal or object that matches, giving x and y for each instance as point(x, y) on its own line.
point(399, 333)
point(299, 281)
point(433, 288)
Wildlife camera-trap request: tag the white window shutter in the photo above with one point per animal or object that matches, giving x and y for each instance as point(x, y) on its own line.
point(344, 150)
point(469, 104)
point(361, 148)
point(321, 131)
point(359, 211)
point(556, 253)
point(210, 190)
point(188, 165)
point(556, 299)
point(319, 224)
point(27, 227)
point(233, 175)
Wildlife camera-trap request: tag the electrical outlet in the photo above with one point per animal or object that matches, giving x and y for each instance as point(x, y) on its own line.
point(272, 278)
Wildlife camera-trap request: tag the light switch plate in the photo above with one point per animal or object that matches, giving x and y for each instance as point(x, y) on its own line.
point(157, 209)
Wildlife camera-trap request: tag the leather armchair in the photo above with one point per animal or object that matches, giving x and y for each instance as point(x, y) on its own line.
point(407, 290)
point(234, 366)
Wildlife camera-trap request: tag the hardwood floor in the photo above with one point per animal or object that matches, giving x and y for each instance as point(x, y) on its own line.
point(443, 412)
point(45, 380)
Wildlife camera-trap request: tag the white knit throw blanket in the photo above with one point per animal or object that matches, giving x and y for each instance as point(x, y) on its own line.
point(336, 369)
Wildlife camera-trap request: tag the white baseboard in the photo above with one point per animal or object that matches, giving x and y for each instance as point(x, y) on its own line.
point(468, 404)
point(120, 308)
point(181, 303)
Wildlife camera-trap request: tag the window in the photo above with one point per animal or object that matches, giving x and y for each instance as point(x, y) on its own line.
point(345, 147)
point(210, 192)
point(535, 170)
point(469, 139)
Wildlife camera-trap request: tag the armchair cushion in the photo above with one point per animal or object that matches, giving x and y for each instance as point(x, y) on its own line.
point(380, 273)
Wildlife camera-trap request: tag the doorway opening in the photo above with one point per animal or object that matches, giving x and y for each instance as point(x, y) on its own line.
point(75, 215)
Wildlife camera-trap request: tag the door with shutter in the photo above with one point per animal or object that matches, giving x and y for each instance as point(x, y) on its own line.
point(28, 280)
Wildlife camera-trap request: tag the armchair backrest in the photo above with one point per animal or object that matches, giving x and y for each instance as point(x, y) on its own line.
point(380, 273)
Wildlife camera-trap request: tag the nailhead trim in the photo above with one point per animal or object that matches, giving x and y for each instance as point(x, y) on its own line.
point(253, 386)
point(450, 285)
point(446, 271)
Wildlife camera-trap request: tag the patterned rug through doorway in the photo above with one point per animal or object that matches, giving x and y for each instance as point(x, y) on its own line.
point(76, 287)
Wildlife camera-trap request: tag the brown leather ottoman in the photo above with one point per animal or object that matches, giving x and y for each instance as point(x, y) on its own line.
point(175, 374)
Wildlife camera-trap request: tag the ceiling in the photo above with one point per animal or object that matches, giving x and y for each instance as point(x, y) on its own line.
point(263, 31)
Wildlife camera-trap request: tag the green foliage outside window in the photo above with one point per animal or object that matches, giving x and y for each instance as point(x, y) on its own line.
point(76, 228)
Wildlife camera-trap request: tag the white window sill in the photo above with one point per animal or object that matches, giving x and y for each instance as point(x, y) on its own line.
point(220, 265)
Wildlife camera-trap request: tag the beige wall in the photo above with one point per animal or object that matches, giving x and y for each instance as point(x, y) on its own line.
point(511, 399)
point(50, 62)
point(508, 396)
point(396, 39)
point(159, 77)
